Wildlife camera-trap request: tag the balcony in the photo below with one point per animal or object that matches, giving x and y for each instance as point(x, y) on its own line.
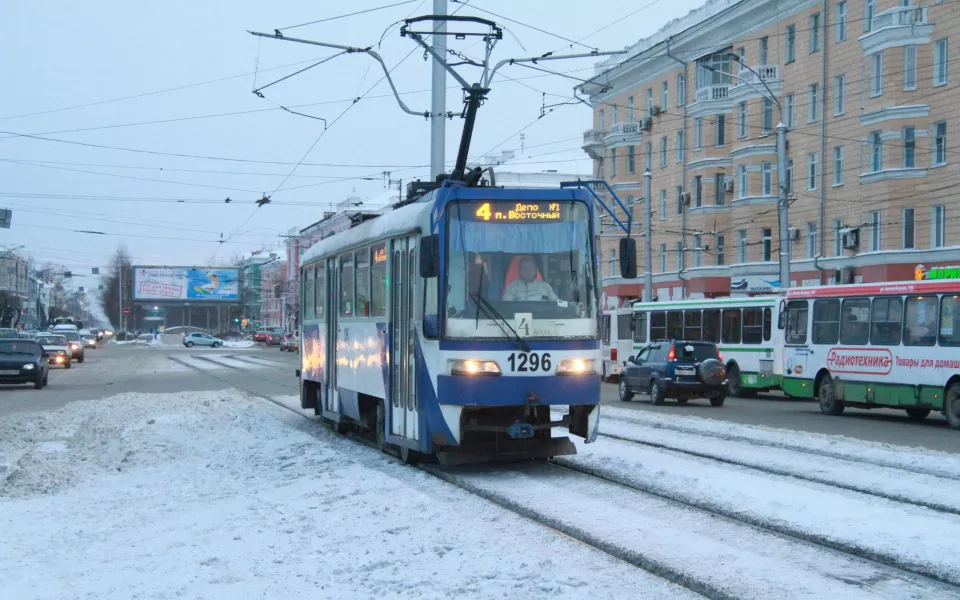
point(750, 83)
point(593, 143)
point(899, 26)
point(628, 133)
point(710, 100)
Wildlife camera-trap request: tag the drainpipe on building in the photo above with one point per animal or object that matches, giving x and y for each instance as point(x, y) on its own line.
point(823, 130)
point(683, 176)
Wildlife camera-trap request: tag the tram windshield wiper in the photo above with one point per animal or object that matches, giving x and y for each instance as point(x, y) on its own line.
point(502, 323)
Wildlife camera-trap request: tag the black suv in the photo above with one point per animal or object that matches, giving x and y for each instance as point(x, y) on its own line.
point(675, 369)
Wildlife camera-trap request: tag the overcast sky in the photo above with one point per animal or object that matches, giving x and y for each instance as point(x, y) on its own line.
point(63, 54)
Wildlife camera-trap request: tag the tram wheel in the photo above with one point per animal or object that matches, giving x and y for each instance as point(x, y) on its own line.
point(408, 456)
point(381, 426)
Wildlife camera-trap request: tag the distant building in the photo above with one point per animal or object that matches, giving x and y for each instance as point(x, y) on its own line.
point(272, 277)
point(250, 280)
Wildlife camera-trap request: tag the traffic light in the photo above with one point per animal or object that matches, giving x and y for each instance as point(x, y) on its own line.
point(236, 319)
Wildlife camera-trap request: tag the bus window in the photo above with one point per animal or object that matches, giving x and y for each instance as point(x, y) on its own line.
point(675, 324)
point(362, 271)
point(321, 291)
point(623, 326)
point(948, 335)
point(885, 321)
point(752, 326)
point(308, 294)
point(826, 321)
point(731, 326)
point(767, 323)
point(605, 329)
point(346, 286)
point(658, 325)
point(640, 327)
point(692, 325)
point(920, 321)
point(855, 321)
point(378, 277)
point(797, 315)
point(711, 325)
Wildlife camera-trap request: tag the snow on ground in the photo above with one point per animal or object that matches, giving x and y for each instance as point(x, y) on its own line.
point(239, 343)
point(215, 495)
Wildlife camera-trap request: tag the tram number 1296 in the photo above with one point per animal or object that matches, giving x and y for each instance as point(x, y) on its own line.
point(529, 361)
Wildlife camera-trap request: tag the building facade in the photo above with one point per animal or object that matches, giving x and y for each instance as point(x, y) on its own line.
point(864, 87)
point(272, 277)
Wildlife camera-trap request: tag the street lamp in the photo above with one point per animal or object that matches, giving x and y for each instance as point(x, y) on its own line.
point(781, 167)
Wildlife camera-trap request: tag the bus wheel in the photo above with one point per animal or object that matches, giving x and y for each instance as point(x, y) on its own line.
point(734, 385)
point(829, 405)
point(918, 414)
point(951, 406)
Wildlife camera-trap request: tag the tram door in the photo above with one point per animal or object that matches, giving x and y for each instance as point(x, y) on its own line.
point(332, 397)
point(403, 388)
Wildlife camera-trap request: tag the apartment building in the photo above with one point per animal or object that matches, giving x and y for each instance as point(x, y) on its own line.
point(865, 89)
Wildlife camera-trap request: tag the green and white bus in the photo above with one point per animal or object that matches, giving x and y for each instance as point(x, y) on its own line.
point(745, 330)
point(887, 345)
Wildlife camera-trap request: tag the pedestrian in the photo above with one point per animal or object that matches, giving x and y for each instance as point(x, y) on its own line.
point(156, 334)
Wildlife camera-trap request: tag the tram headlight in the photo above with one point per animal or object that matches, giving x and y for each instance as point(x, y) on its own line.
point(577, 366)
point(474, 368)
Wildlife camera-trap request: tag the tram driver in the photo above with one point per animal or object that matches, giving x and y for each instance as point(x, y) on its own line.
point(527, 287)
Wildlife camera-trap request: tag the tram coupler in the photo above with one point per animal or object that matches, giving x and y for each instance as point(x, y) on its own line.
point(520, 431)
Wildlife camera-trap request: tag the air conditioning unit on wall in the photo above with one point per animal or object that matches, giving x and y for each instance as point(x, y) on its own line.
point(685, 198)
point(850, 238)
point(793, 234)
point(728, 186)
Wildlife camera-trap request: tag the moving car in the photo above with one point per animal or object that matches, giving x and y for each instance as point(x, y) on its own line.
point(289, 342)
point(23, 361)
point(26, 334)
point(201, 339)
point(76, 344)
point(275, 336)
point(89, 340)
point(677, 369)
point(9, 333)
point(261, 334)
point(57, 347)
point(294, 344)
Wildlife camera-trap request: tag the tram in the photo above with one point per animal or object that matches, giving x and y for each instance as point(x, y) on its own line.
point(451, 325)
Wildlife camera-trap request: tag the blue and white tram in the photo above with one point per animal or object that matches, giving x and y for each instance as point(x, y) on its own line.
point(462, 352)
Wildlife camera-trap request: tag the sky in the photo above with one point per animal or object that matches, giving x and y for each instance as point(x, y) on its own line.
point(145, 120)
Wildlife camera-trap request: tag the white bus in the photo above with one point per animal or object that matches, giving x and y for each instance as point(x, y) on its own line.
point(887, 345)
point(745, 330)
point(616, 340)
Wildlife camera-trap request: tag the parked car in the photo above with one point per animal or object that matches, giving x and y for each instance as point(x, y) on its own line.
point(289, 342)
point(23, 361)
point(89, 340)
point(57, 347)
point(9, 333)
point(677, 369)
point(201, 339)
point(25, 334)
point(76, 344)
point(275, 336)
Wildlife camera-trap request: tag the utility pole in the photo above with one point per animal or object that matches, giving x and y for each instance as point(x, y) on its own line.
point(120, 294)
point(782, 206)
point(438, 94)
point(647, 243)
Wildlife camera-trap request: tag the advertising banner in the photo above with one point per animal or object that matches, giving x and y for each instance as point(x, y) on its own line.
point(186, 283)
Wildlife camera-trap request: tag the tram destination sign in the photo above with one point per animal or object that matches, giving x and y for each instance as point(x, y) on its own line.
point(519, 212)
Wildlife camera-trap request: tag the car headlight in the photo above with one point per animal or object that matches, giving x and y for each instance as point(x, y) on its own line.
point(28, 367)
point(74, 346)
point(576, 366)
point(474, 368)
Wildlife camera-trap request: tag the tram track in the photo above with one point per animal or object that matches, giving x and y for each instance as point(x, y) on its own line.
point(676, 571)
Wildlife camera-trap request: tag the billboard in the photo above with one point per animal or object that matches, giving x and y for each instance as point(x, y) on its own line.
point(186, 283)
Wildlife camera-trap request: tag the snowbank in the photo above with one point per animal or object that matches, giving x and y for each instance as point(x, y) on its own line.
point(239, 343)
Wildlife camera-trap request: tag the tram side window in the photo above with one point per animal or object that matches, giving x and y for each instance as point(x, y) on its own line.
point(378, 276)
point(605, 329)
point(752, 326)
point(920, 321)
point(640, 327)
point(320, 291)
point(711, 325)
point(826, 321)
point(949, 336)
point(731, 326)
point(362, 271)
point(797, 315)
point(308, 293)
point(692, 325)
point(675, 324)
point(658, 325)
point(886, 321)
point(346, 286)
point(623, 326)
point(767, 323)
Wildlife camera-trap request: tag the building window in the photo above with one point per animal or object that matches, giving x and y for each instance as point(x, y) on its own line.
point(741, 55)
point(813, 110)
point(768, 114)
point(742, 246)
point(663, 205)
point(791, 43)
point(600, 168)
point(876, 74)
point(838, 165)
point(940, 144)
point(719, 251)
point(789, 182)
point(649, 102)
point(663, 151)
point(766, 243)
point(679, 250)
point(663, 258)
point(764, 50)
point(742, 119)
point(909, 241)
point(812, 171)
point(603, 125)
point(665, 96)
point(679, 199)
point(680, 140)
point(869, 9)
point(839, 95)
point(940, 62)
point(612, 264)
point(613, 114)
point(697, 250)
point(789, 111)
point(630, 110)
point(909, 148)
point(938, 223)
point(811, 240)
point(681, 90)
point(649, 157)
point(876, 152)
point(698, 190)
point(814, 33)
point(719, 182)
point(631, 160)
point(742, 181)
point(875, 231)
point(838, 238)
point(720, 122)
point(613, 163)
point(767, 185)
point(910, 68)
point(698, 132)
point(841, 21)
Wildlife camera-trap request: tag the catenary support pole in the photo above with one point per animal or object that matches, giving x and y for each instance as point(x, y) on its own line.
point(438, 94)
point(647, 244)
point(782, 206)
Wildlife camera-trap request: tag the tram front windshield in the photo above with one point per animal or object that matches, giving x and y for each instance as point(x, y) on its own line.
point(525, 263)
